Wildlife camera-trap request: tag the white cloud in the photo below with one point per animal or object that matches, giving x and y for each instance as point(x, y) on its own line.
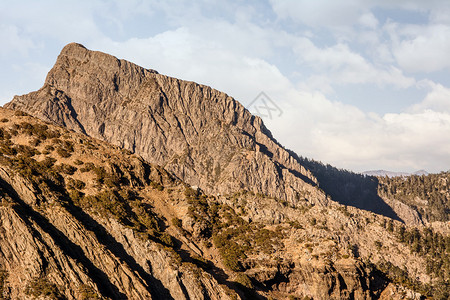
point(368, 20)
point(63, 20)
point(346, 137)
point(319, 13)
point(421, 48)
point(415, 47)
point(438, 99)
point(13, 42)
point(340, 65)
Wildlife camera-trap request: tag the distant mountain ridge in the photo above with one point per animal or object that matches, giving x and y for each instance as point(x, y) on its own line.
point(393, 174)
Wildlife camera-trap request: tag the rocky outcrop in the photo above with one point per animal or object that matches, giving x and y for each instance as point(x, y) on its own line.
point(49, 247)
point(407, 214)
point(201, 135)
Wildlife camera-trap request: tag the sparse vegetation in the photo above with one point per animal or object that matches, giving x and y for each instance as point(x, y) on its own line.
point(234, 237)
point(88, 293)
point(428, 194)
point(177, 223)
point(3, 277)
point(42, 287)
point(87, 167)
point(244, 280)
point(113, 190)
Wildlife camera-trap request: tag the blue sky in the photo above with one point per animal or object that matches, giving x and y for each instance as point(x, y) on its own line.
point(362, 84)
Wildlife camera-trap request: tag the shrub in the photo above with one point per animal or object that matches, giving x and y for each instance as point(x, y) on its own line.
point(4, 135)
point(190, 193)
point(230, 257)
point(68, 145)
point(91, 146)
point(244, 280)
point(378, 245)
point(35, 142)
point(88, 293)
point(76, 196)
point(75, 184)
point(42, 287)
point(47, 163)
point(166, 239)
point(295, 224)
point(78, 162)
point(63, 152)
point(230, 252)
point(26, 151)
point(103, 177)
point(66, 169)
point(156, 186)
point(3, 276)
point(7, 149)
point(49, 148)
point(390, 226)
point(20, 113)
point(177, 223)
point(112, 180)
point(87, 167)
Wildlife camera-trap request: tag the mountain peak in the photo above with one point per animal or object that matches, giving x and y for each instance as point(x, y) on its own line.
point(72, 47)
point(201, 135)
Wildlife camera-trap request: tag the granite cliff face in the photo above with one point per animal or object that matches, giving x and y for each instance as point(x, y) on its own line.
point(201, 135)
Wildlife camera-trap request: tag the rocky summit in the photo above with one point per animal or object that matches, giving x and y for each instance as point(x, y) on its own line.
point(117, 182)
point(199, 134)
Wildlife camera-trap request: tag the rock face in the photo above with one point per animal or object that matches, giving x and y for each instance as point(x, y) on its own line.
point(201, 135)
point(81, 219)
point(49, 247)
